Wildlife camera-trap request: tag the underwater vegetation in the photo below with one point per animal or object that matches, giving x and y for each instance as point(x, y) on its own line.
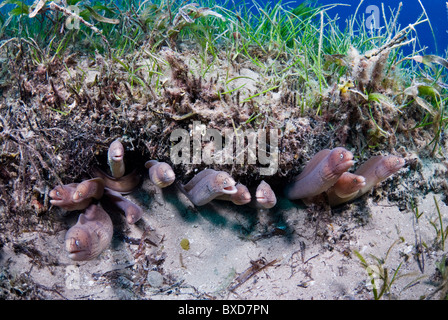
point(77, 79)
point(120, 74)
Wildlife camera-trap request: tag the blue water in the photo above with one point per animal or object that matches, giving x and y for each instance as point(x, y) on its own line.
point(411, 10)
point(436, 10)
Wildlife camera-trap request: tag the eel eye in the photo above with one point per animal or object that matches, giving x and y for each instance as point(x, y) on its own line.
point(80, 194)
point(77, 243)
point(341, 156)
point(225, 181)
point(58, 193)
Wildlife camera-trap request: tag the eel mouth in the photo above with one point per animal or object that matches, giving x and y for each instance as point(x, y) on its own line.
point(73, 248)
point(361, 181)
point(229, 190)
point(117, 157)
point(57, 201)
point(55, 196)
point(266, 202)
point(344, 166)
point(77, 255)
point(74, 252)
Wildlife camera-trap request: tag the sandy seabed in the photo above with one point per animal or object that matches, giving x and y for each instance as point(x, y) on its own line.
point(233, 254)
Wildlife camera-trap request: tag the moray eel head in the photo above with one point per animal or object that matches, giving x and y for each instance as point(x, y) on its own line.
point(78, 244)
point(160, 173)
point(265, 196)
point(60, 195)
point(116, 151)
point(224, 183)
point(168, 175)
point(115, 159)
point(92, 188)
point(356, 183)
point(391, 165)
point(165, 175)
point(242, 195)
point(341, 160)
point(348, 184)
point(133, 214)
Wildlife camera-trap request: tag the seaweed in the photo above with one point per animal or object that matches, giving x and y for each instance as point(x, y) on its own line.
point(256, 266)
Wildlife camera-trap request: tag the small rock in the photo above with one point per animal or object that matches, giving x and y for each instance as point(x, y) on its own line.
point(91, 77)
point(155, 279)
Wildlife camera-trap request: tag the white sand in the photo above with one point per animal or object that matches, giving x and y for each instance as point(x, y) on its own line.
point(315, 260)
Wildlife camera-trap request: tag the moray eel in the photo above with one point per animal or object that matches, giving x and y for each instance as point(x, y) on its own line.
point(92, 188)
point(115, 159)
point(377, 169)
point(90, 235)
point(132, 211)
point(374, 170)
point(207, 185)
point(264, 197)
point(62, 196)
point(198, 177)
point(241, 197)
point(125, 184)
point(160, 173)
point(321, 172)
point(347, 186)
point(77, 196)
